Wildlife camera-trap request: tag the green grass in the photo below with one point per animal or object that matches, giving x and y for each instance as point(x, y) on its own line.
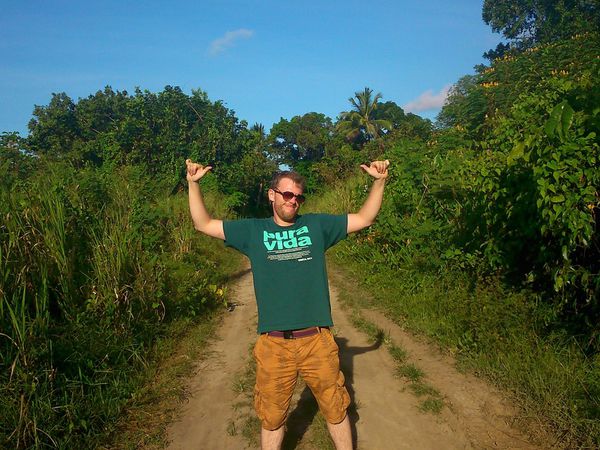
point(251, 431)
point(421, 390)
point(376, 334)
point(319, 437)
point(411, 372)
point(432, 405)
point(244, 419)
point(232, 428)
point(399, 354)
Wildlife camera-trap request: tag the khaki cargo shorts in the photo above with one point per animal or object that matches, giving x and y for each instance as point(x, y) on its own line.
point(278, 362)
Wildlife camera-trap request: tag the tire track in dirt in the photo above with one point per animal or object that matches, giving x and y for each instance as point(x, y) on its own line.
point(387, 415)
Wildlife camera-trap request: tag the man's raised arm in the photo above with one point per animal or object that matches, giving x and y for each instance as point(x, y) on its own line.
point(200, 216)
point(370, 208)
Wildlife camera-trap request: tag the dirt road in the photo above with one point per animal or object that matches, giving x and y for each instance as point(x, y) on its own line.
point(386, 414)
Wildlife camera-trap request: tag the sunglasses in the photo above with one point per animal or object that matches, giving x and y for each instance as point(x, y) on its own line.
point(287, 196)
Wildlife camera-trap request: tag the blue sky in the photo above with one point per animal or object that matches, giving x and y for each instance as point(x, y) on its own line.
point(263, 59)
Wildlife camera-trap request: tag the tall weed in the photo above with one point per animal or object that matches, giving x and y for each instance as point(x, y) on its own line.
point(94, 267)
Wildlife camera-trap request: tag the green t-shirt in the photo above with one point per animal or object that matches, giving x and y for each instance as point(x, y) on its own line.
point(288, 264)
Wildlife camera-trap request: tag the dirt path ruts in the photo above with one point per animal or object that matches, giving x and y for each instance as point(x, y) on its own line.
point(387, 416)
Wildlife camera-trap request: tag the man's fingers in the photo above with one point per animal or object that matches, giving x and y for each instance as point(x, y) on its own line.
point(377, 169)
point(381, 166)
point(194, 168)
point(190, 167)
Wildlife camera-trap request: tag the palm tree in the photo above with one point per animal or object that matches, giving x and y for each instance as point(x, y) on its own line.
point(259, 128)
point(358, 124)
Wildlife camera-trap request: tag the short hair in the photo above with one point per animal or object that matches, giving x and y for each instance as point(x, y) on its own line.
point(294, 176)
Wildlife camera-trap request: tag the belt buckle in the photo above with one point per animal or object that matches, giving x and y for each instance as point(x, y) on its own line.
point(288, 334)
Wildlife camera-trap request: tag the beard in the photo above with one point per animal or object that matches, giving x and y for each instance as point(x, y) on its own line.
point(286, 211)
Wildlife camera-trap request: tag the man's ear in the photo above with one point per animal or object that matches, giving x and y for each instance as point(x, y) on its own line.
point(271, 195)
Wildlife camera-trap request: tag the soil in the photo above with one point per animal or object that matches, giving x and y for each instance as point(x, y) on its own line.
point(385, 412)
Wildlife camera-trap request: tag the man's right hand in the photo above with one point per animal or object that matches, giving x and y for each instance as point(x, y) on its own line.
point(195, 171)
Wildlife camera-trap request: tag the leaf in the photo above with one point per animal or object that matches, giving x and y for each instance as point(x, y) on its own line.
point(561, 119)
point(566, 118)
point(557, 198)
point(558, 283)
point(516, 153)
point(554, 120)
point(550, 126)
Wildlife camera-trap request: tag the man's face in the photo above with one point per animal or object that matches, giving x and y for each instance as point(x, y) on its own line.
point(286, 211)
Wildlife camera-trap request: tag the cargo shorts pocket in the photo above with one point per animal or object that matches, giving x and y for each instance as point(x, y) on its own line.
point(274, 384)
point(340, 403)
point(272, 416)
point(258, 405)
point(329, 387)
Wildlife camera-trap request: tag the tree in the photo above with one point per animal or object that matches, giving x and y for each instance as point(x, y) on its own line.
point(414, 126)
point(465, 106)
point(15, 162)
point(303, 138)
point(54, 128)
point(403, 124)
point(258, 138)
point(528, 22)
point(360, 126)
point(259, 128)
point(389, 111)
point(155, 130)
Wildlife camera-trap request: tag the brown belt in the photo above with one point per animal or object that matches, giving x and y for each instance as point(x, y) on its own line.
point(295, 334)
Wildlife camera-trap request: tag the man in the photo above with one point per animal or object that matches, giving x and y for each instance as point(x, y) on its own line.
point(287, 254)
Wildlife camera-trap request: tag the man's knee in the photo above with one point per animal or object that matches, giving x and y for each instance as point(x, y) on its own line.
point(271, 421)
point(272, 424)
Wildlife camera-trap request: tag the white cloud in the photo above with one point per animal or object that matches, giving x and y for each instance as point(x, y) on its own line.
point(428, 100)
point(219, 45)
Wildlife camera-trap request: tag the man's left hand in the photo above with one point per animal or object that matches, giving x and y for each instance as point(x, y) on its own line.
point(377, 169)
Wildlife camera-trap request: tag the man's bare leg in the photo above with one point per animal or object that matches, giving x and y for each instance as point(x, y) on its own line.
point(271, 439)
point(341, 434)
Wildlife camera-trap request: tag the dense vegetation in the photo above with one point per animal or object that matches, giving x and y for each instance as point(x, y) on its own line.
point(98, 258)
point(487, 241)
point(96, 266)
